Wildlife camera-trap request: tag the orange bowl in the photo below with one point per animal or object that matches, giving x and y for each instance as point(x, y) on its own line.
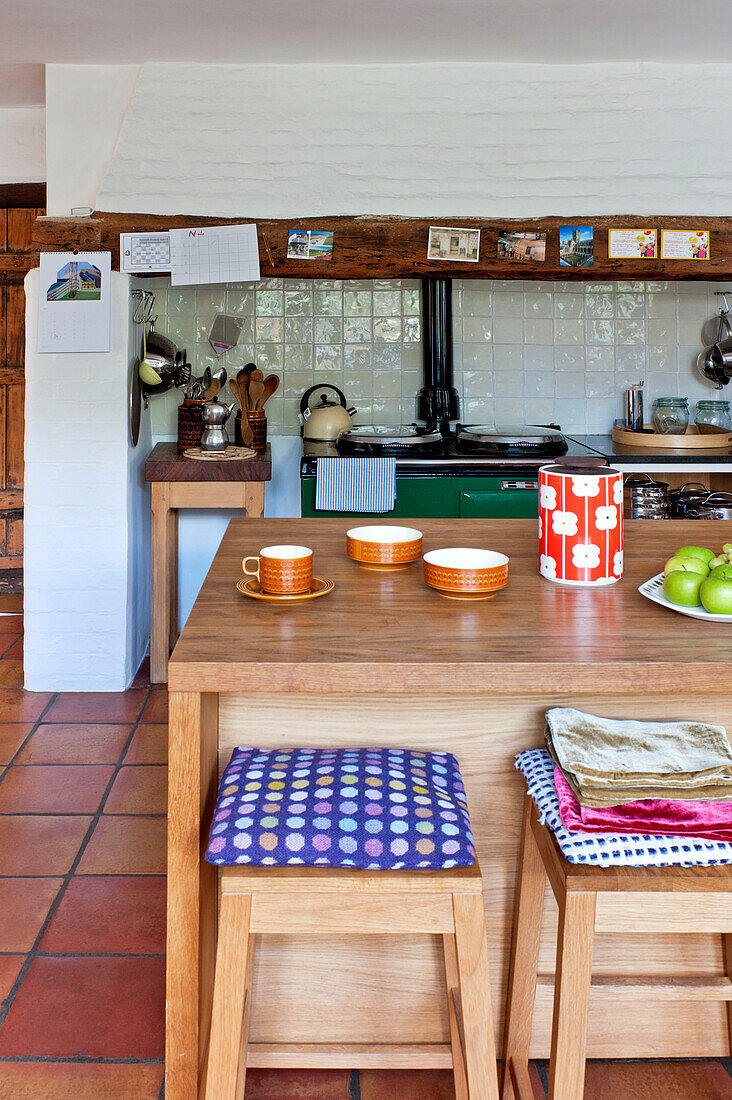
point(466, 573)
point(384, 547)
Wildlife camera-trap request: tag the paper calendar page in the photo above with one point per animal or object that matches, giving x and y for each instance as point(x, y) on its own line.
point(74, 301)
point(214, 254)
point(144, 252)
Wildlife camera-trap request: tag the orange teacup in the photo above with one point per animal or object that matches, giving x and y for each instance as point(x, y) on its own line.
point(282, 570)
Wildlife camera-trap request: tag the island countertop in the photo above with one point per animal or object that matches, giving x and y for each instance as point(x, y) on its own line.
point(387, 632)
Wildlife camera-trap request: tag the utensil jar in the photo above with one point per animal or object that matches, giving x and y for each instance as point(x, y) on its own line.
point(581, 523)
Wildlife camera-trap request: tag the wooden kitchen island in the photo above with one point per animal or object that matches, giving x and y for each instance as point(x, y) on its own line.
point(384, 660)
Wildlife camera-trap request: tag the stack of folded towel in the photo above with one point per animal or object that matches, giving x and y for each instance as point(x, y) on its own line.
point(641, 793)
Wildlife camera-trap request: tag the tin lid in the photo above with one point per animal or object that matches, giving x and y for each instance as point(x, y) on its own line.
point(585, 464)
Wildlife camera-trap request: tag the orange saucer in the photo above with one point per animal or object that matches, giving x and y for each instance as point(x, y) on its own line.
point(252, 587)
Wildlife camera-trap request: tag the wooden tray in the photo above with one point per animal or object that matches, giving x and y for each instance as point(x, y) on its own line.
point(692, 441)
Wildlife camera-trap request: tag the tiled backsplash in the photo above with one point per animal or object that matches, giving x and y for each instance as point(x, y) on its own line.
point(524, 351)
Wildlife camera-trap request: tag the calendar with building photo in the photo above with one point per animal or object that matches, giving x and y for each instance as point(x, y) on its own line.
point(522, 244)
point(453, 244)
point(576, 246)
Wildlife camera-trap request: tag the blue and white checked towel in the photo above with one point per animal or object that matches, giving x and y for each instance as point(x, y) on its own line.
point(355, 484)
point(605, 849)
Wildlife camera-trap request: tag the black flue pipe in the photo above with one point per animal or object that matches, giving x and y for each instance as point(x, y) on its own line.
point(437, 401)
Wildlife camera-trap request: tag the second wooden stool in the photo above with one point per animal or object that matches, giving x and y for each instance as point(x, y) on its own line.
point(599, 899)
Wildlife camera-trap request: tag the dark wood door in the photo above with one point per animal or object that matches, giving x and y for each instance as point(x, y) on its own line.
point(16, 259)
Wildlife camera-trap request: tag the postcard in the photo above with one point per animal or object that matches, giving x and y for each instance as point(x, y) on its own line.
point(576, 247)
point(310, 244)
point(627, 244)
point(684, 244)
point(462, 245)
point(522, 244)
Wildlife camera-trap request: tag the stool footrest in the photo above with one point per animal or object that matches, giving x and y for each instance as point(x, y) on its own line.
point(350, 1055)
point(709, 988)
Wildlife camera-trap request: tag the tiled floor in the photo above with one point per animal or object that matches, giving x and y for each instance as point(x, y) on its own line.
point(82, 917)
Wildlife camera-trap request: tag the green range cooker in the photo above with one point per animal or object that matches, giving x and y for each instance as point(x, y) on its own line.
point(480, 472)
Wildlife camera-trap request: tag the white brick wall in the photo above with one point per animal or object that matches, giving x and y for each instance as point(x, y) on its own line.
point(22, 145)
point(86, 514)
point(432, 140)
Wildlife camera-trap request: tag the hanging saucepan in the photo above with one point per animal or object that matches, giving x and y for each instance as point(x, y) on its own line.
point(687, 496)
point(710, 362)
point(716, 506)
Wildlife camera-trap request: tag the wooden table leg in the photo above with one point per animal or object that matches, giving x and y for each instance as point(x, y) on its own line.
point(524, 964)
point(573, 976)
point(475, 996)
point(160, 584)
point(727, 949)
point(192, 889)
point(172, 580)
point(254, 499)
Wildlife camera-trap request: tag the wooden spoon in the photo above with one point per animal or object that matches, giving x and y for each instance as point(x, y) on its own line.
point(271, 383)
point(234, 387)
point(256, 391)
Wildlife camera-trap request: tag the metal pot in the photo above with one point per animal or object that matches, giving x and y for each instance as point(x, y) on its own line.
point(716, 506)
point(646, 498)
point(214, 415)
point(687, 496)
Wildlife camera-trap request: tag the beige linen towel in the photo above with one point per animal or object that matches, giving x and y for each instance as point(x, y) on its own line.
point(608, 762)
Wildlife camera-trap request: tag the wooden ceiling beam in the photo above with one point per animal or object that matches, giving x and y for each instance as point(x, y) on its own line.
point(369, 247)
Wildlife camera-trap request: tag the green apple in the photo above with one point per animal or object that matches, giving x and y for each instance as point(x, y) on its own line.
point(723, 571)
point(716, 595)
point(695, 552)
point(685, 565)
point(683, 588)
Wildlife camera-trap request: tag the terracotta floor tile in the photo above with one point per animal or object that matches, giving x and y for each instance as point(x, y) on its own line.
point(673, 1080)
point(11, 673)
point(138, 790)
point(15, 649)
point(12, 736)
point(54, 789)
point(297, 1084)
point(538, 1088)
point(97, 706)
point(407, 1084)
point(17, 705)
point(40, 845)
point(120, 914)
point(71, 1081)
point(149, 744)
point(9, 969)
point(24, 905)
point(64, 1009)
point(126, 846)
point(156, 708)
point(71, 743)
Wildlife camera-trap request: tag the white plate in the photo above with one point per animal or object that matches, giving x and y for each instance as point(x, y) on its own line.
point(653, 590)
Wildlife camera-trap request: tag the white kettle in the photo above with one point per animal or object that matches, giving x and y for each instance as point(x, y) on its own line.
point(324, 422)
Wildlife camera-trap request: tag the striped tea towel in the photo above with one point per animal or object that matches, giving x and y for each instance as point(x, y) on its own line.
point(355, 484)
point(607, 849)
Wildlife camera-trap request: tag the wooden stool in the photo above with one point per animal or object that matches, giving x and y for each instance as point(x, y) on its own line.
point(325, 901)
point(598, 899)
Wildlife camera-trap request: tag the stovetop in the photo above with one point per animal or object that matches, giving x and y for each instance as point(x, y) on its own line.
point(450, 463)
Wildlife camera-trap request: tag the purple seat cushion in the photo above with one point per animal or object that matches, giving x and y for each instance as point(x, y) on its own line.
point(380, 809)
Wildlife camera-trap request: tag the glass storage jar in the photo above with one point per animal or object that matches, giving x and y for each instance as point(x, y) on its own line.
point(671, 415)
point(712, 416)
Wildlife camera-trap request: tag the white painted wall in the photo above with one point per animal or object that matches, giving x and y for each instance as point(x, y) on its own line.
point(85, 108)
point(86, 601)
point(22, 145)
point(434, 140)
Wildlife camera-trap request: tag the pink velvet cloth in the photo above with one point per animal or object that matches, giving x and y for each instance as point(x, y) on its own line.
point(657, 816)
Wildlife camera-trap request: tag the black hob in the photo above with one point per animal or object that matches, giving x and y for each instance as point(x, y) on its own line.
point(451, 457)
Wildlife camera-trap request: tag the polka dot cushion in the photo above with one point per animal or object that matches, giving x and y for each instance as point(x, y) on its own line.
point(378, 809)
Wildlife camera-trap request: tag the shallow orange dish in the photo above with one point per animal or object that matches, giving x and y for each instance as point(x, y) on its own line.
point(384, 547)
point(464, 573)
point(253, 588)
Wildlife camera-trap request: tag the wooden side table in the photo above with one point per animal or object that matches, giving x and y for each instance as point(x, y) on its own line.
point(179, 482)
